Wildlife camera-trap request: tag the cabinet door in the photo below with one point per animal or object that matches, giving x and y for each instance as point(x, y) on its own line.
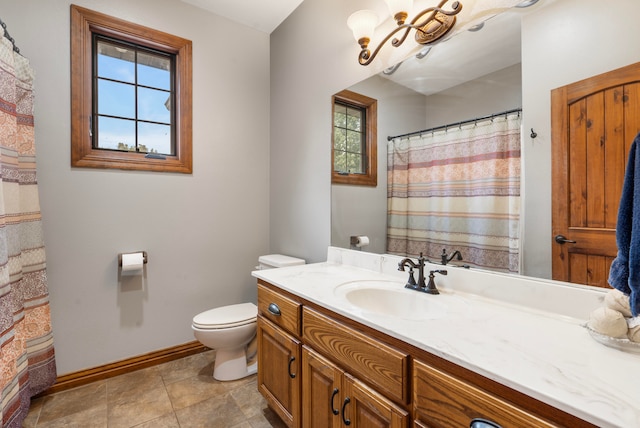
point(365, 408)
point(321, 391)
point(441, 400)
point(279, 371)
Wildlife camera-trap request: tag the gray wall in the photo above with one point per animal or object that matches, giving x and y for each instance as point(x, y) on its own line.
point(203, 232)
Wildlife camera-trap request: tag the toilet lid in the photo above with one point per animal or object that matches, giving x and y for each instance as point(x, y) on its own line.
point(227, 316)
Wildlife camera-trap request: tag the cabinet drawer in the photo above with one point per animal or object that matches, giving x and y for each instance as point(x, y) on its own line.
point(279, 309)
point(441, 400)
point(384, 367)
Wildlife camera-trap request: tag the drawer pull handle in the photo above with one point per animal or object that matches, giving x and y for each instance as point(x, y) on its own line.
point(333, 396)
point(483, 423)
point(291, 375)
point(274, 309)
point(344, 405)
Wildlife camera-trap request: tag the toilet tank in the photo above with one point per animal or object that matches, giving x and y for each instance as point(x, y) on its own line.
point(271, 261)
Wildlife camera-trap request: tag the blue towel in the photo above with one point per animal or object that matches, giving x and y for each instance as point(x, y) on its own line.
point(625, 269)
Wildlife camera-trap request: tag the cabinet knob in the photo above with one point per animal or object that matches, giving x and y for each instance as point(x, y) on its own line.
point(274, 309)
point(344, 406)
point(333, 396)
point(483, 423)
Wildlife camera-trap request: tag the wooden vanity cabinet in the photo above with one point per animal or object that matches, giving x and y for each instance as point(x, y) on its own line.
point(333, 398)
point(310, 360)
point(279, 354)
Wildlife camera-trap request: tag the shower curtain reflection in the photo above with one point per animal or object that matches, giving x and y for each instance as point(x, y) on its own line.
point(457, 189)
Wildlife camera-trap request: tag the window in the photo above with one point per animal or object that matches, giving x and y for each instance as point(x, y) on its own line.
point(130, 96)
point(354, 150)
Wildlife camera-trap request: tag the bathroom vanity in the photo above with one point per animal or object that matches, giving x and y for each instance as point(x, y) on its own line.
point(343, 343)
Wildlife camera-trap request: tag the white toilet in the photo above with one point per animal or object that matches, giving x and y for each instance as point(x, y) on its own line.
point(231, 330)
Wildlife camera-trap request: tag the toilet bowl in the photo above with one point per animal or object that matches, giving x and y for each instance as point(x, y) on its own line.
point(230, 330)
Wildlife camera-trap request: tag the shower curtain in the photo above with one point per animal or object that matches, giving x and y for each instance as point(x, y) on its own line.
point(27, 365)
point(457, 189)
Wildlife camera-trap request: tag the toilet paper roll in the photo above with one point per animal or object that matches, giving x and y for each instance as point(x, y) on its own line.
point(362, 241)
point(132, 262)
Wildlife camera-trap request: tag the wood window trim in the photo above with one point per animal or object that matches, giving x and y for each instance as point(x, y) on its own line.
point(370, 178)
point(84, 23)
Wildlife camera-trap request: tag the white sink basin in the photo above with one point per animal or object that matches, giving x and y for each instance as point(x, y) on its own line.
point(391, 299)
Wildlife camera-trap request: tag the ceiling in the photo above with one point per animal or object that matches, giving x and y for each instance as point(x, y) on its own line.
point(263, 15)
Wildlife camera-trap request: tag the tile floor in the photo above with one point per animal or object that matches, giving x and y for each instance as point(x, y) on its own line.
point(178, 394)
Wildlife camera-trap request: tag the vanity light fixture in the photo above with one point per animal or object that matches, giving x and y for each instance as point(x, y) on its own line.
point(431, 24)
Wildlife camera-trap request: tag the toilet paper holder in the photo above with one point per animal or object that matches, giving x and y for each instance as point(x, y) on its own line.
point(144, 257)
point(358, 241)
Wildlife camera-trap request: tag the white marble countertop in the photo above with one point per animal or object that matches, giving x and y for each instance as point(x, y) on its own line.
point(536, 345)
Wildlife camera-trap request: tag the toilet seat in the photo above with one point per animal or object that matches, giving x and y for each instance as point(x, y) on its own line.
point(227, 316)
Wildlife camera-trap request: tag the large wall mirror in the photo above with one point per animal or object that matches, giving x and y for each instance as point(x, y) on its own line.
point(514, 61)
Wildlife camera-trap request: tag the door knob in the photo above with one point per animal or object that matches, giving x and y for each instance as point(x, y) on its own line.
point(561, 239)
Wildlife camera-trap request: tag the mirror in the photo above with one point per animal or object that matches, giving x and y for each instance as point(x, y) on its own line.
point(514, 61)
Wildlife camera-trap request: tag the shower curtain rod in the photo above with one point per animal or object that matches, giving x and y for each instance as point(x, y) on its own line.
point(6, 34)
point(452, 125)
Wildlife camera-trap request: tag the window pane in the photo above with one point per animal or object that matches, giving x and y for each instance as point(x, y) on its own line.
point(354, 163)
point(154, 138)
point(116, 62)
point(354, 119)
point(154, 105)
point(116, 134)
point(116, 99)
point(340, 161)
point(354, 142)
point(340, 139)
point(340, 116)
point(154, 71)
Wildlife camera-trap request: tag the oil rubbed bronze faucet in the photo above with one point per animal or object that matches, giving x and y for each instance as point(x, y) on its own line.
point(411, 282)
point(446, 259)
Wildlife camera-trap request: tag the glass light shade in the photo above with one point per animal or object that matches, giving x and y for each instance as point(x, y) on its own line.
point(480, 7)
point(362, 23)
point(396, 6)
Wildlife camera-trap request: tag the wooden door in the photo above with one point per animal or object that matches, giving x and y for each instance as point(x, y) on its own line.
point(365, 408)
point(321, 391)
point(278, 374)
point(594, 122)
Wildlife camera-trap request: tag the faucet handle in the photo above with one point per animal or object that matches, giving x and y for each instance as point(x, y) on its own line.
point(431, 286)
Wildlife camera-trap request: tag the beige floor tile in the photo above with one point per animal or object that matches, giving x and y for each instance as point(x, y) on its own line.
point(187, 367)
point(193, 390)
point(94, 417)
point(266, 419)
point(130, 410)
point(167, 421)
point(178, 394)
point(128, 386)
point(77, 400)
point(248, 399)
point(219, 412)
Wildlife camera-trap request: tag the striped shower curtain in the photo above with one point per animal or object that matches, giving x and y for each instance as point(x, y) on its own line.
point(457, 189)
point(27, 364)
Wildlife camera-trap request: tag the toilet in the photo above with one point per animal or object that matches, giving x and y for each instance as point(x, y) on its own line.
point(231, 330)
